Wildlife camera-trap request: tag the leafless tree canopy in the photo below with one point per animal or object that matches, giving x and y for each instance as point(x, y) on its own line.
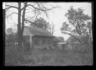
point(37, 8)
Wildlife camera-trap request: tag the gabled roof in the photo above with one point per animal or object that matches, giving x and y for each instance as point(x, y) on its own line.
point(29, 30)
point(59, 39)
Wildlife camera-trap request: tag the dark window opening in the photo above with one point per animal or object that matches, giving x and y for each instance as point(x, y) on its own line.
point(36, 42)
point(44, 41)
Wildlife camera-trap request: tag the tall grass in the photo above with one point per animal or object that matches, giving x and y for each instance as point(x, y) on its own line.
point(14, 54)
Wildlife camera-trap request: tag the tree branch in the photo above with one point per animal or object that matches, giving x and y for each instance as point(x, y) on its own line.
point(37, 7)
point(28, 20)
point(11, 14)
point(73, 36)
point(43, 8)
point(9, 7)
point(32, 6)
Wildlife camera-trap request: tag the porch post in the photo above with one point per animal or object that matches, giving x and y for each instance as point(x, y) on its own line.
point(30, 41)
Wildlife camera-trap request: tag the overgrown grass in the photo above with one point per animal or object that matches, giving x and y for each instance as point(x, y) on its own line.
point(14, 54)
point(25, 57)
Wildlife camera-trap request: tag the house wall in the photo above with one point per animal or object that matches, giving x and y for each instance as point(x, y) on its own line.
point(40, 42)
point(43, 42)
point(26, 39)
point(68, 46)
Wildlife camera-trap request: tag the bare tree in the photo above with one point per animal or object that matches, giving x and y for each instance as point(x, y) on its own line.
point(36, 7)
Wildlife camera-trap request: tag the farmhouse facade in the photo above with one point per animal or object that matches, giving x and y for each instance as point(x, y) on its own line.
point(39, 38)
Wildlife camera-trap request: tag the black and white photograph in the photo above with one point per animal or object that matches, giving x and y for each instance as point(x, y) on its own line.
point(48, 33)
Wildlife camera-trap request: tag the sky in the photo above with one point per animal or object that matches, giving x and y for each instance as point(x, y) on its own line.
point(56, 16)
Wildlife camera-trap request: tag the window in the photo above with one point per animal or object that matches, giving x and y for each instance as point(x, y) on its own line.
point(43, 41)
point(49, 42)
point(36, 42)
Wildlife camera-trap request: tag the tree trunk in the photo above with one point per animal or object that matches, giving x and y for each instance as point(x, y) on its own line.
point(19, 24)
point(22, 25)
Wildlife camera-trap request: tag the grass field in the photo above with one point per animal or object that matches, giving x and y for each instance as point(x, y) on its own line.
point(13, 57)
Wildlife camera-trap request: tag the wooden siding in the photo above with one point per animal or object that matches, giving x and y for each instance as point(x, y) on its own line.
point(42, 42)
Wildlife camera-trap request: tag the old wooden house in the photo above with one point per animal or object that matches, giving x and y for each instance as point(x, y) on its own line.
point(61, 43)
point(39, 38)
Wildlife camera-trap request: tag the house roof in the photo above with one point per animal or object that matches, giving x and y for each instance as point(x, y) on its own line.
point(60, 39)
point(29, 30)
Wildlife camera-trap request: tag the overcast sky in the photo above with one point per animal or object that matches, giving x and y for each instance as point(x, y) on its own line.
point(57, 16)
